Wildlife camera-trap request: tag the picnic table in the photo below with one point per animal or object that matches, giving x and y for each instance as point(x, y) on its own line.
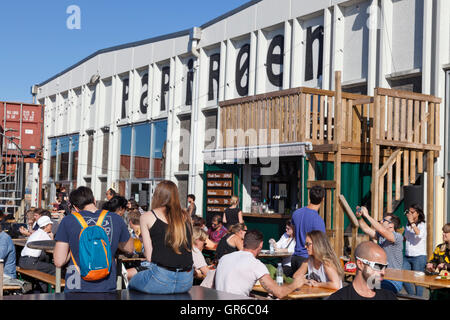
point(305, 292)
point(417, 278)
point(276, 254)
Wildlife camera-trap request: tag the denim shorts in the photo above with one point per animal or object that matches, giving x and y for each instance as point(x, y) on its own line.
point(158, 280)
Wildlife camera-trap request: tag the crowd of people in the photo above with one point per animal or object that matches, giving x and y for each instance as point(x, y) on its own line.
point(172, 240)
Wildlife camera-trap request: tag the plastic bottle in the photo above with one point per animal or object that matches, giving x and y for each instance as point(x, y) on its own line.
point(279, 275)
point(272, 249)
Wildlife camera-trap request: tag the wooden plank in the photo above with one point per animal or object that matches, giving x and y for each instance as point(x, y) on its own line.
point(330, 119)
point(415, 146)
point(390, 121)
point(403, 117)
point(380, 198)
point(406, 167)
point(349, 107)
point(326, 184)
point(302, 126)
point(437, 140)
point(307, 118)
point(357, 123)
point(315, 118)
point(430, 202)
point(376, 154)
point(409, 122)
point(388, 163)
point(311, 170)
point(348, 211)
point(408, 95)
point(329, 209)
point(321, 119)
point(396, 119)
point(389, 189)
point(398, 168)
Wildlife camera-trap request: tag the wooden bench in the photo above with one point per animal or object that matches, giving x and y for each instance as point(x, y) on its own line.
point(41, 276)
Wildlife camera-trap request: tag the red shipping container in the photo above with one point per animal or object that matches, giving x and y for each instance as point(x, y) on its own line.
point(26, 121)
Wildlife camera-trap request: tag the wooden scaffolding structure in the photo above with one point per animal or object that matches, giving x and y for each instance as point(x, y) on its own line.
point(397, 132)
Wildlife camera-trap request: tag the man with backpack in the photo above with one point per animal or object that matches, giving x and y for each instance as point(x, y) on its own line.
point(87, 239)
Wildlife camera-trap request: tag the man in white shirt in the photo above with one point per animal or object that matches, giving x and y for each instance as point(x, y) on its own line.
point(33, 259)
point(237, 272)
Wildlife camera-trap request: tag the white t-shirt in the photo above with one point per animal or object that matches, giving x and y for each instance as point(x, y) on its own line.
point(416, 245)
point(318, 275)
point(237, 272)
point(38, 235)
point(199, 259)
point(286, 243)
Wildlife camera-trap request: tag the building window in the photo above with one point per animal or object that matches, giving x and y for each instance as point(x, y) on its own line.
point(105, 153)
point(413, 84)
point(64, 159)
point(90, 153)
point(125, 152)
point(159, 148)
point(141, 150)
point(185, 133)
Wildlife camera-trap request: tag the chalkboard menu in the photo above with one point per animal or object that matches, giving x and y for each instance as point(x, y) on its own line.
point(219, 189)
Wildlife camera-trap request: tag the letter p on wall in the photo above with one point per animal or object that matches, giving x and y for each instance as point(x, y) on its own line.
point(74, 20)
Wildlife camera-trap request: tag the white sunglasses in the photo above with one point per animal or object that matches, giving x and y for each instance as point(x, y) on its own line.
point(374, 265)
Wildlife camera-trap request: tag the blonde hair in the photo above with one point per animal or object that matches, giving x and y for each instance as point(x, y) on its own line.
point(199, 234)
point(166, 195)
point(234, 200)
point(323, 251)
point(235, 228)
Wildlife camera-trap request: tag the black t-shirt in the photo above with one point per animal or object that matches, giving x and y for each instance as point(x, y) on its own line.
point(349, 293)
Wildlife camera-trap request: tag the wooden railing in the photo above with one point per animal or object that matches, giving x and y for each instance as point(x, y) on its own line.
point(283, 117)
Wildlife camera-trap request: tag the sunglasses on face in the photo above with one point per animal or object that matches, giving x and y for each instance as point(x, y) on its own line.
point(374, 265)
point(307, 244)
point(388, 221)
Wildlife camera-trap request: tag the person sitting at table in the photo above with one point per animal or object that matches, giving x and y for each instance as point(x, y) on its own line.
point(322, 268)
point(134, 220)
point(7, 254)
point(67, 242)
point(440, 260)
point(239, 271)
point(30, 221)
point(286, 244)
point(217, 230)
point(117, 204)
point(232, 241)
point(167, 236)
point(200, 222)
point(371, 263)
point(199, 237)
point(35, 259)
point(384, 232)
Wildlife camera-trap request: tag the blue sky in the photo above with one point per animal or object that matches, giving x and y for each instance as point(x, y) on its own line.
point(36, 44)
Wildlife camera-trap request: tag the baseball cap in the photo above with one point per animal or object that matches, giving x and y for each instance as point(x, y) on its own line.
point(43, 221)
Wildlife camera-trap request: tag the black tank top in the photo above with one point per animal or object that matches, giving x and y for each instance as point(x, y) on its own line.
point(232, 216)
point(163, 253)
point(224, 247)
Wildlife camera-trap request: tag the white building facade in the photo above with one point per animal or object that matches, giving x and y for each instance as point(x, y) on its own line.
point(129, 116)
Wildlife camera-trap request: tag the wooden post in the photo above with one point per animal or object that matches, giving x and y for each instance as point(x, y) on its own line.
point(338, 217)
point(430, 202)
point(376, 153)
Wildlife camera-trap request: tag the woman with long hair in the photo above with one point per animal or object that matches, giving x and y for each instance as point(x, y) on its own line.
point(232, 241)
point(415, 246)
point(322, 268)
point(232, 215)
point(167, 238)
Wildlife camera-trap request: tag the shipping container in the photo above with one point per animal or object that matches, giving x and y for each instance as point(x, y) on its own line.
point(24, 122)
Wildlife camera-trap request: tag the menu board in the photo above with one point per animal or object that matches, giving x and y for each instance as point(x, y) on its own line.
point(219, 189)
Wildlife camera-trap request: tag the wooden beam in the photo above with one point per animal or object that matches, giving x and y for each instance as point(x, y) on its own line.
point(326, 184)
point(349, 211)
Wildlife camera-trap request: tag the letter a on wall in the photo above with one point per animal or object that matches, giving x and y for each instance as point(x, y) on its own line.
point(275, 58)
point(144, 95)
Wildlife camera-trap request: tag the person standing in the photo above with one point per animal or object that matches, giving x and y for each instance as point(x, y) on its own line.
point(305, 220)
point(110, 193)
point(371, 263)
point(232, 215)
point(384, 232)
point(415, 246)
point(67, 242)
point(192, 208)
point(167, 236)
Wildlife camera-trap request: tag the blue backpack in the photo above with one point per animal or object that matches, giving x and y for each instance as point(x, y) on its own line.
point(94, 249)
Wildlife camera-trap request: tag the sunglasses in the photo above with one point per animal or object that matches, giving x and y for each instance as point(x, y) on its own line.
point(374, 265)
point(389, 221)
point(307, 244)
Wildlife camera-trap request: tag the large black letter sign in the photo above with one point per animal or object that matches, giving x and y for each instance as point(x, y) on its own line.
point(213, 75)
point(125, 89)
point(144, 95)
point(310, 38)
point(190, 80)
point(242, 69)
point(272, 58)
point(165, 79)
